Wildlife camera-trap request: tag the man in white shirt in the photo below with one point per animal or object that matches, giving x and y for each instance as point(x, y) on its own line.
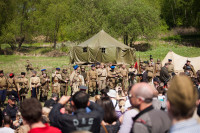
point(7, 122)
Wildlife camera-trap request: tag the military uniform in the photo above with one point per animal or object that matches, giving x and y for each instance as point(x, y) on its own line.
point(22, 85)
point(12, 88)
point(131, 75)
point(158, 67)
point(124, 75)
point(74, 82)
point(92, 80)
point(112, 79)
point(64, 83)
point(29, 66)
point(44, 88)
point(56, 80)
point(3, 86)
point(34, 85)
point(150, 73)
point(191, 70)
point(170, 69)
point(102, 74)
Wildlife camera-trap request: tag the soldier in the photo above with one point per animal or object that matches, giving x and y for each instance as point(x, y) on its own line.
point(44, 89)
point(34, 84)
point(3, 86)
point(164, 74)
point(151, 61)
point(158, 67)
point(42, 72)
point(64, 82)
point(83, 73)
point(92, 80)
point(29, 66)
point(188, 68)
point(112, 75)
point(22, 85)
point(131, 75)
point(108, 67)
point(56, 80)
point(74, 80)
point(124, 75)
point(150, 72)
point(12, 87)
point(102, 74)
point(170, 67)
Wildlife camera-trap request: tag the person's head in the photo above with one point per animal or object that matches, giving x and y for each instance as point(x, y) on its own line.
point(158, 61)
point(188, 62)
point(166, 65)
point(151, 59)
point(7, 120)
point(1, 73)
point(97, 65)
point(102, 66)
point(23, 74)
point(123, 66)
point(43, 71)
point(80, 100)
point(54, 96)
point(44, 75)
point(11, 100)
point(34, 73)
point(156, 81)
point(82, 69)
point(76, 68)
point(182, 97)
point(141, 95)
point(169, 61)
point(104, 92)
point(31, 110)
point(11, 75)
point(112, 68)
point(57, 70)
point(93, 67)
point(161, 90)
point(109, 109)
point(64, 70)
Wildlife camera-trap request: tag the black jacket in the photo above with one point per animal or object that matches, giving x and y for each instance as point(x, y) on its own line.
point(145, 77)
point(49, 103)
point(164, 75)
point(81, 120)
point(11, 111)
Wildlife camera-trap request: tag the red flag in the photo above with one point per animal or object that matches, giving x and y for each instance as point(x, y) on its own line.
point(136, 65)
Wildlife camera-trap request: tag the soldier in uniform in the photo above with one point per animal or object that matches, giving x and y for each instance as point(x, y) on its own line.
point(42, 72)
point(150, 72)
point(74, 80)
point(188, 68)
point(56, 80)
point(64, 82)
point(102, 74)
point(22, 85)
point(34, 84)
point(44, 89)
point(158, 67)
point(124, 75)
point(92, 80)
point(3, 87)
point(131, 75)
point(112, 75)
point(84, 73)
point(29, 66)
point(12, 87)
point(151, 61)
point(170, 67)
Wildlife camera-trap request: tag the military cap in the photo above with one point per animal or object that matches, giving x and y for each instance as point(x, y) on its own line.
point(75, 67)
point(58, 68)
point(11, 97)
point(112, 67)
point(169, 59)
point(141, 61)
point(93, 65)
point(97, 63)
point(11, 75)
point(54, 95)
point(43, 70)
point(23, 73)
point(1, 71)
point(188, 61)
point(181, 93)
point(158, 60)
point(83, 87)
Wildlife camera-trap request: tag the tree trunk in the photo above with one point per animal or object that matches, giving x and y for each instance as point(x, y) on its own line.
point(126, 38)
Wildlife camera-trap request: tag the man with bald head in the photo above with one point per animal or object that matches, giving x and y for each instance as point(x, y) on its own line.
point(148, 119)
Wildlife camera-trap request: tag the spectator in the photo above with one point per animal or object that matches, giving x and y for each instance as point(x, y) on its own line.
point(110, 121)
point(11, 109)
point(7, 122)
point(81, 119)
point(49, 103)
point(113, 96)
point(164, 74)
point(31, 110)
point(144, 75)
point(181, 103)
point(148, 119)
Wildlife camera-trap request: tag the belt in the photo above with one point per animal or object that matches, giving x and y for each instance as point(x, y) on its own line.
point(33, 83)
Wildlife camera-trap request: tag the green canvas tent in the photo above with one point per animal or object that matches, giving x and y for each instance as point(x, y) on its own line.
point(102, 48)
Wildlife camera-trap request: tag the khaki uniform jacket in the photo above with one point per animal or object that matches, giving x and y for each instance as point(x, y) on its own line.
point(12, 85)
point(74, 78)
point(158, 69)
point(192, 72)
point(170, 68)
point(150, 71)
point(65, 77)
point(102, 74)
point(112, 74)
point(92, 75)
point(22, 83)
point(34, 82)
point(3, 83)
point(123, 72)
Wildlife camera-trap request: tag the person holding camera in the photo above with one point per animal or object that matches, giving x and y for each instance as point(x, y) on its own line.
point(189, 69)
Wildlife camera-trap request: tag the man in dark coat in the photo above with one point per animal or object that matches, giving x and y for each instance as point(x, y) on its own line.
point(164, 75)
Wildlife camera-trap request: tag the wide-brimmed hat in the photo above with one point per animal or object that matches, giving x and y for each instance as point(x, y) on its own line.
point(112, 93)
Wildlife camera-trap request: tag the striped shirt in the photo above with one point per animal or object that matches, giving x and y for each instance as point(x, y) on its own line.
point(187, 126)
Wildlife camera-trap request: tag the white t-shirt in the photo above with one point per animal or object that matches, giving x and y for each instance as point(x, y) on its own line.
point(6, 130)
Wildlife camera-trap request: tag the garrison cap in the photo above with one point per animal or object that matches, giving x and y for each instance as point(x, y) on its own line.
point(97, 63)
point(188, 61)
point(182, 94)
point(82, 67)
point(158, 60)
point(58, 68)
point(75, 67)
point(11, 75)
point(169, 59)
point(83, 87)
point(112, 67)
point(23, 73)
point(93, 65)
point(1, 71)
point(43, 70)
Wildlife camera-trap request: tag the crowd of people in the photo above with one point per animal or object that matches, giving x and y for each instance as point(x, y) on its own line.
point(106, 98)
